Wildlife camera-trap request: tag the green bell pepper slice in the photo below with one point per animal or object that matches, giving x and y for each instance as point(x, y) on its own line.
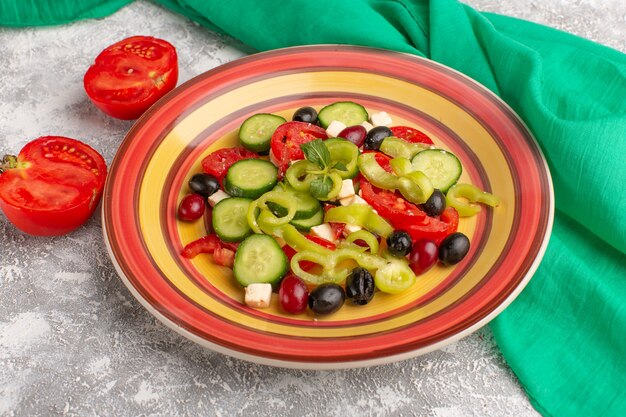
point(344, 152)
point(366, 237)
point(473, 194)
point(359, 215)
point(395, 277)
point(298, 175)
point(396, 147)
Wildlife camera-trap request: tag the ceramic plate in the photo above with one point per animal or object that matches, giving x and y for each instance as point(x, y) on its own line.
point(202, 301)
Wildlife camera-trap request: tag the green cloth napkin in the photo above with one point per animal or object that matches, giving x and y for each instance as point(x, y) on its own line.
point(565, 335)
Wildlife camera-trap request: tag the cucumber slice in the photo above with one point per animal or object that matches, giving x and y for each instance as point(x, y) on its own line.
point(306, 224)
point(229, 219)
point(250, 178)
point(346, 112)
point(442, 168)
point(260, 259)
point(256, 131)
point(306, 204)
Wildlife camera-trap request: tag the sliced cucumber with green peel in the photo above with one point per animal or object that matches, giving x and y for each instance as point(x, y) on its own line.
point(250, 178)
point(306, 224)
point(256, 131)
point(442, 168)
point(260, 259)
point(346, 112)
point(229, 219)
point(306, 204)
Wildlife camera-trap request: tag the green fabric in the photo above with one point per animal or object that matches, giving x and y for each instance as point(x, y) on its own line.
point(565, 335)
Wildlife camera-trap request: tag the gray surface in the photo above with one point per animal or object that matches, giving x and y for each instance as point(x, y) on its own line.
point(73, 341)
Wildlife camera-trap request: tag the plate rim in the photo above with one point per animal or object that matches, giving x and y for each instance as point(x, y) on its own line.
point(329, 364)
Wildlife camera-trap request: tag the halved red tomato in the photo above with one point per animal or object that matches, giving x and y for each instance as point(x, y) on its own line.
point(286, 141)
point(410, 134)
point(218, 162)
point(401, 213)
point(53, 186)
point(131, 75)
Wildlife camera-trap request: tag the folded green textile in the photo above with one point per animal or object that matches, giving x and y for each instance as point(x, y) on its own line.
point(565, 336)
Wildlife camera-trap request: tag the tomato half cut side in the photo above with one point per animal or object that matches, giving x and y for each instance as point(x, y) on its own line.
point(131, 75)
point(410, 134)
point(54, 187)
point(286, 141)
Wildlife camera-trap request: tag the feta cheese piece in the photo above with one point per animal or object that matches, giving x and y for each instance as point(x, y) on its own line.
point(355, 199)
point(367, 125)
point(324, 231)
point(351, 228)
point(347, 190)
point(380, 119)
point(258, 295)
point(335, 128)
point(216, 197)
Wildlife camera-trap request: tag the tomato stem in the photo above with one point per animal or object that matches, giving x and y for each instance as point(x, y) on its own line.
point(8, 162)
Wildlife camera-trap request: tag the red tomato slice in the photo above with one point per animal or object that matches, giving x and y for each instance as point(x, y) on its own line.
point(393, 207)
point(224, 257)
point(435, 229)
point(55, 186)
point(209, 244)
point(218, 162)
point(410, 134)
point(287, 139)
point(131, 75)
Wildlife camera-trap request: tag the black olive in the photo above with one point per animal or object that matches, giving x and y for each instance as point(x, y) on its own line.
point(360, 286)
point(399, 243)
point(204, 184)
point(326, 298)
point(305, 114)
point(453, 248)
point(375, 137)
point(436, 203)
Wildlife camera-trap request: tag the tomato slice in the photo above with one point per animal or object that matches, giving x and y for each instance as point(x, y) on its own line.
point(218, 162)
point(410, 134)
point(435, 229)
point(401, 213)
point(286, 141)
point(131, 75)
point(54, 187)
point(223, 252)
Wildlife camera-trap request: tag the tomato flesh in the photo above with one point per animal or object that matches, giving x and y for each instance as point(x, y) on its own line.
point(131, 75)
point(55, 186)
point(286, 141)
point(218, 162)
point(401, 213)
point(410, 134)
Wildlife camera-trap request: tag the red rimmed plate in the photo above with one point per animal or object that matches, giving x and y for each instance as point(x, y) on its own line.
point(149, 174)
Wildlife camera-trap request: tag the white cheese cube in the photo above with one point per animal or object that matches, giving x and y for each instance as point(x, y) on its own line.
point(351, 228)
point(216, 197)
point(335, 128)
point(380, 119)
point(347, 190)
point(324, 230)
point(258, 295)
point(355, 199)
point(367, 125)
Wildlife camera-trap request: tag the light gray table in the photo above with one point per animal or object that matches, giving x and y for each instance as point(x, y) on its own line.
point(73, 341)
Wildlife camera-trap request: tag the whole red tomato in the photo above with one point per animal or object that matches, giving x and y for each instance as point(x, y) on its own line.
point(53, 186)
point(130, 76)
